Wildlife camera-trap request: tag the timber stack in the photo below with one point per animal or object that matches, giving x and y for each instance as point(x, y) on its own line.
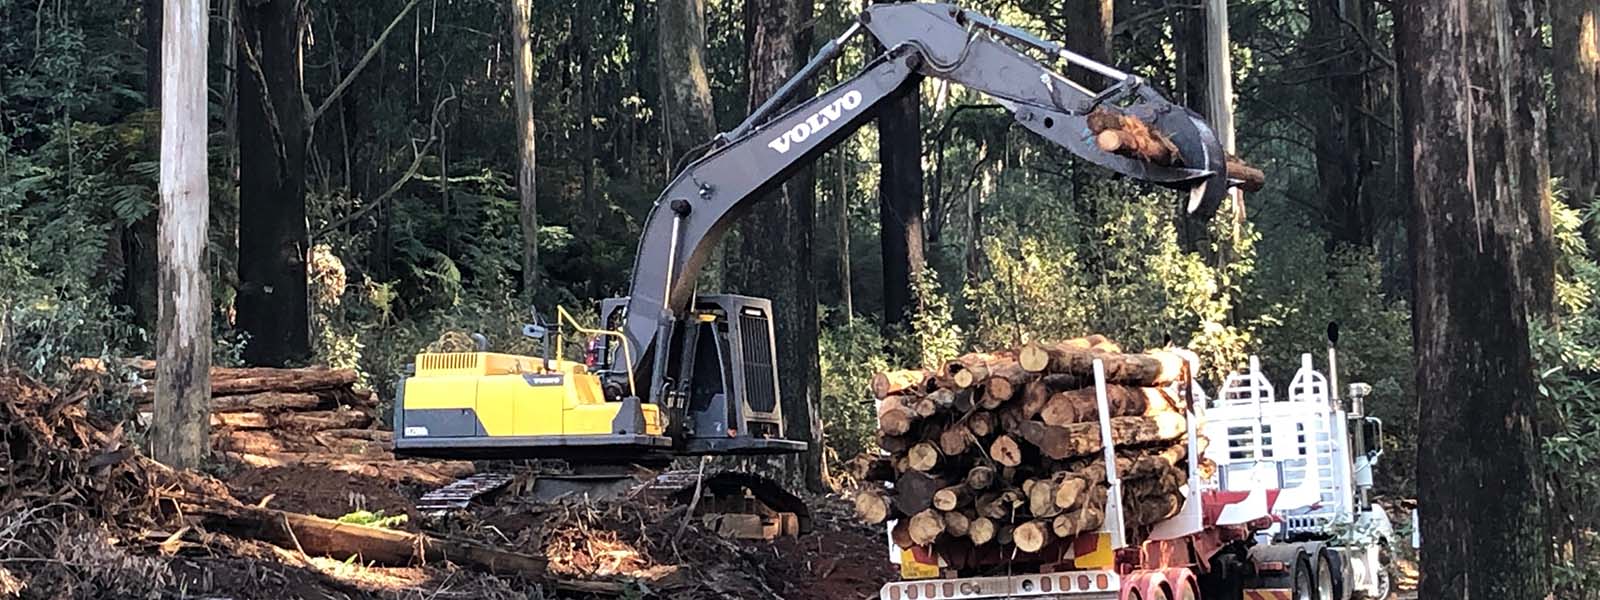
point(1000, 455)
point(270, 416)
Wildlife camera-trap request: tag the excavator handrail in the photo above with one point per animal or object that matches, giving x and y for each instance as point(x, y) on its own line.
point(562, 316)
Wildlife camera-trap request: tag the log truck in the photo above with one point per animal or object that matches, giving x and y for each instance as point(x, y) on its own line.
point(685, 373)
point(1285, 514)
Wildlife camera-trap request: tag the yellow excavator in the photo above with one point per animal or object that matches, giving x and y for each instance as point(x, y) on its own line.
point(681, 373)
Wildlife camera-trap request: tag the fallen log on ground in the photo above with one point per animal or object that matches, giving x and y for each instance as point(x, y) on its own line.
point(326, 537)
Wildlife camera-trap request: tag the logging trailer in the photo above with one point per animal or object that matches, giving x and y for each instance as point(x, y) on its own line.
point(1286, 514)
point(682, 373)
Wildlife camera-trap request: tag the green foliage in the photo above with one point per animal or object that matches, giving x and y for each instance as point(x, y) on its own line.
point(1567, 352)
point(850, 352)
point(374, 519)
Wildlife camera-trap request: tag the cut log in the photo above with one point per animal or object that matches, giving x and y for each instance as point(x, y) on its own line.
point(980, 477)
point(893, 444)
point(1033, 536)
point(1082, 439)
point(981, 424)
point(914, 382)
point(952, 497)
point(1042, 495)
point(267, 402)
point(897, 420)
point(914, 490)
point(953, 440)
point(943, 398)
point(294, 421)
point(1082, 404)
point(1006, 451)
point(1003, 534)
point(879, 469)
point(281, 380)
point(1129, 136)
point(999, 505)
point(874, 505)
point(1071, 493)
point(1156, 368)
point(1248, 178)
point(326, 537)
point(925, 408)
point(957, 524)
point(926, 526)
point(981, 530)
point(923, 457)
point(900, 534)
point(1073, 522)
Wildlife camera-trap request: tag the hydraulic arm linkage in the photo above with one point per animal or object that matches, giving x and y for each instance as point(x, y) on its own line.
point(922, 40)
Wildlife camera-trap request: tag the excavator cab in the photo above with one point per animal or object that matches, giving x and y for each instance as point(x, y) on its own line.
point(727, 400)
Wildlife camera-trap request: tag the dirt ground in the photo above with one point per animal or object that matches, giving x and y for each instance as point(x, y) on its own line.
point(84, 515)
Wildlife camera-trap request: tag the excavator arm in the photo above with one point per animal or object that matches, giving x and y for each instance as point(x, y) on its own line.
point(922, 40)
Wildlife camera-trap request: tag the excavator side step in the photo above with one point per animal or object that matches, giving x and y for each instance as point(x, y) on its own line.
point(460, 493)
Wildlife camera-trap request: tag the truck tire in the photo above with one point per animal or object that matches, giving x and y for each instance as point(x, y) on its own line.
point(1386, 586)
point(1328, 587)
point(1304, 581)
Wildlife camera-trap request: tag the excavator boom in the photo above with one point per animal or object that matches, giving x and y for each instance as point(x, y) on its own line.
point(922, 40)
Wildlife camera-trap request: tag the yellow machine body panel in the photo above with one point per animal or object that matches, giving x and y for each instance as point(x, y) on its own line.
point(505, 402)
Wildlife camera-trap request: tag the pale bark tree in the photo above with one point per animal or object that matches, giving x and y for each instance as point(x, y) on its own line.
point(519, 14)
point(1467, 100)
point(181, 429)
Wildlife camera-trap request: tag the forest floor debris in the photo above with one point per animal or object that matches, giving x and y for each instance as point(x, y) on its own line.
point(86, 515)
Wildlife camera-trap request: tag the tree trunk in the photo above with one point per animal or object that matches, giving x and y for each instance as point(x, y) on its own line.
point(518, 17)
point(1088, 25)
point(272, 301)
point(1575, 105)
point(1339, 142)
point(685, 90)
point(900, 201)
point(1481, 489)
point(775, 255)
point(181, 430)
point(841, 214)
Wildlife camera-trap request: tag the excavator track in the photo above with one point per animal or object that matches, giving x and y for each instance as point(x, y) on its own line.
point(459, 494)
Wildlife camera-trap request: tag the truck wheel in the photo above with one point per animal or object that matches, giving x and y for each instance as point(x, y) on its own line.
point(1305, 587)
point(1327, 589)
point(1385, 574)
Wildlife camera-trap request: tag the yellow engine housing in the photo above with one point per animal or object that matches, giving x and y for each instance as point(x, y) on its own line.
point(472, 404)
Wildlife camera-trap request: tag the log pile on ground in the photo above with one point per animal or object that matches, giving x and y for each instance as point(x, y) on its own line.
point(266, 417)
point(991, 452)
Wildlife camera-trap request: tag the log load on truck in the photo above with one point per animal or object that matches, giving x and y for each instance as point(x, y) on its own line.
point(1074, 470)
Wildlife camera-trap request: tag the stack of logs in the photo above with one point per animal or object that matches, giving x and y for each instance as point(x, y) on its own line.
point(265, 416)
point(998, 451)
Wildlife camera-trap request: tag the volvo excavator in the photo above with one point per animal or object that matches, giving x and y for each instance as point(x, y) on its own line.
point(686, 373)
